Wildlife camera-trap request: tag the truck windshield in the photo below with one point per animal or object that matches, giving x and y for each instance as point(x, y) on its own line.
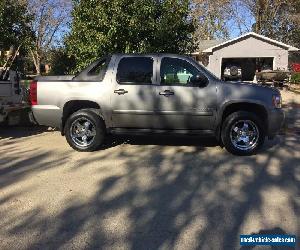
point(212, 75)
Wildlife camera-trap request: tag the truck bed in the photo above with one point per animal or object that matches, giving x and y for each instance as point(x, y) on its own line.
point(54, 78)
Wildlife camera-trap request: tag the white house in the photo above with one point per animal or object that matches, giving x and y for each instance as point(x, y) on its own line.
point(251, 51)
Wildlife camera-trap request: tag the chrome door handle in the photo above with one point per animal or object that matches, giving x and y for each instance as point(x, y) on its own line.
point(121, 91)
point(166, 93)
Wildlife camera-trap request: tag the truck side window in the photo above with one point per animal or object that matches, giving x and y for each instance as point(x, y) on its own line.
point(99, 70)
point(174, 71)
point(135, 70)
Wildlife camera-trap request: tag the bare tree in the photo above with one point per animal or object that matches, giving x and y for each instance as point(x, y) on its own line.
point(277, 19)
point(240, 17)
point(211, 17)
point(49, 24)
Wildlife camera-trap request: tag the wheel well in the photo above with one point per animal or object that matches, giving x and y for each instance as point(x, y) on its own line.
point(257, 109)
point(73, 106)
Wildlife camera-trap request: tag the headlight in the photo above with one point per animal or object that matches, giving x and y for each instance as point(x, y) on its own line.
point(277, 101)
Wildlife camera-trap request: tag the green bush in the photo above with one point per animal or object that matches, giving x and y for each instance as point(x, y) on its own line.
point(61, 63)
point(296, 78)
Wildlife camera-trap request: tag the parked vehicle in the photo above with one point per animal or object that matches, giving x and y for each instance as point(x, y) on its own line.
point(155, 94)
point(272, 75)
point(232, 72)
point(276, 78)
point(10, 95)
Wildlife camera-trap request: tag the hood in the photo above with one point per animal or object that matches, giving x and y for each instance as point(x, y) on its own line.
point(254, 86)
point(247, 92)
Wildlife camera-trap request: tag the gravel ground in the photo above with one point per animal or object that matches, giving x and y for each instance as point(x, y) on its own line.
point(145, 193)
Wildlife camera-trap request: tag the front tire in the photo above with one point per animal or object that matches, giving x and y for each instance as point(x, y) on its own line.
point(85, 131)
point(242, 133)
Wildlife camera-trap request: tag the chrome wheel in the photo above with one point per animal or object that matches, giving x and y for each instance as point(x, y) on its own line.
point(244, 135)
point(83, 132)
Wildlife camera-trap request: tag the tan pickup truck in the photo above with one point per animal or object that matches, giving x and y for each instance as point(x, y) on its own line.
point(155, 94)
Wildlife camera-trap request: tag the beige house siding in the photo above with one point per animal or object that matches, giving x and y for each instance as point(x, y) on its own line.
point(250, 47)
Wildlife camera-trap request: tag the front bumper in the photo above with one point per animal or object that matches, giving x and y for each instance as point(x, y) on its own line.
point(276, 120)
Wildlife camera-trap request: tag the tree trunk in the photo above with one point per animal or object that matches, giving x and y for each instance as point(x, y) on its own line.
point(37, 61)
point(259, 13)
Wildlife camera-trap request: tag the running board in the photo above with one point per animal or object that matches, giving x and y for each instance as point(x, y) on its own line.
point(130, 131)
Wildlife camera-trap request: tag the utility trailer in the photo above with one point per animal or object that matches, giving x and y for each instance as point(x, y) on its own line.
point(275, 78)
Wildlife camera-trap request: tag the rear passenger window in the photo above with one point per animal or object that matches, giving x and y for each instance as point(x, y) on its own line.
point(99, 70)
point(135, 70)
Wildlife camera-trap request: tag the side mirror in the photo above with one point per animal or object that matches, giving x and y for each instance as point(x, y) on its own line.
point(199, 80)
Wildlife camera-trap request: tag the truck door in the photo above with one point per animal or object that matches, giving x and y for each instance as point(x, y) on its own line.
point(133, 94)
point(180, 104)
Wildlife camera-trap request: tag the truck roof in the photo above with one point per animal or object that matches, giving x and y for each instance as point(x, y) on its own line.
point(150, 54)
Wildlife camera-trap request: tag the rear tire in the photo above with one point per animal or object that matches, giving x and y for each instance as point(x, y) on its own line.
point(85, 131)
point(242, 133)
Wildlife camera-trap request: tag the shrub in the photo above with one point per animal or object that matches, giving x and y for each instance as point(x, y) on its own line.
point(296, 78)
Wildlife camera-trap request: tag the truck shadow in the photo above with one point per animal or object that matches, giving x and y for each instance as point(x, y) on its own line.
point(13, 132)
point(163, 140)
point(111, 141)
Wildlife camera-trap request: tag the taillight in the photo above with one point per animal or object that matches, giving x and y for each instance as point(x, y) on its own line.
point(33, 93)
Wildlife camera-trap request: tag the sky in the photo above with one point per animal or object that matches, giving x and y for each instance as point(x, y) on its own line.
point(245, 18)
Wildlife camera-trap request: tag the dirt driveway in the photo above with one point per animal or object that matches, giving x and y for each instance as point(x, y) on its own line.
point(143, 193)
